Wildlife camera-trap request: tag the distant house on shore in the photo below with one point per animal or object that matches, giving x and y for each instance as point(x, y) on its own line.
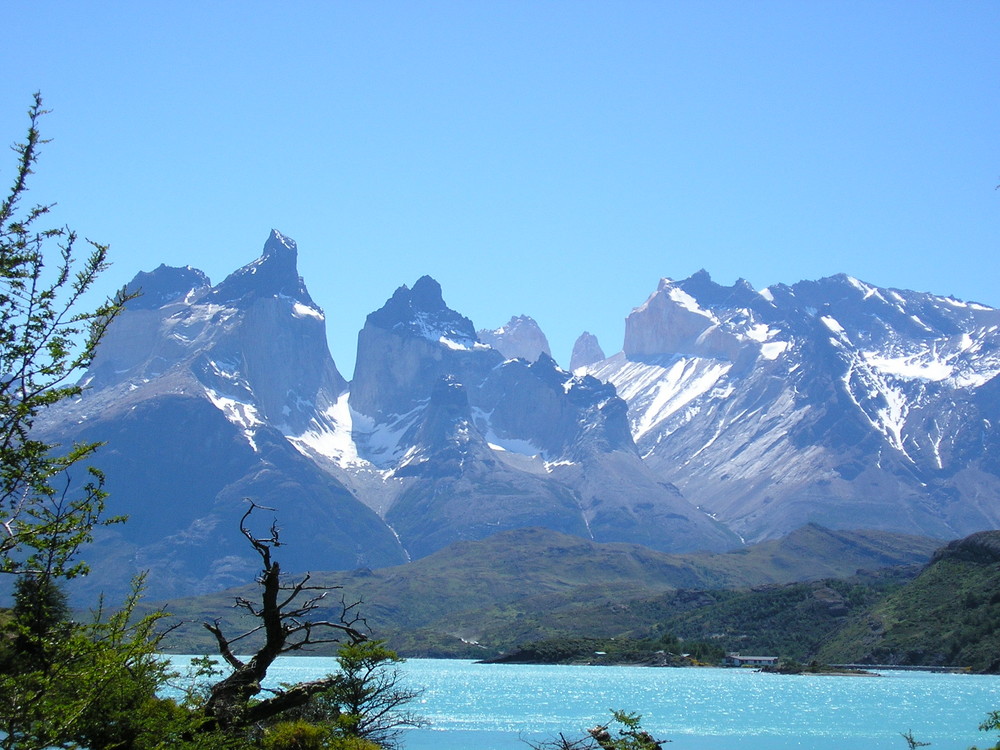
point(738, 660)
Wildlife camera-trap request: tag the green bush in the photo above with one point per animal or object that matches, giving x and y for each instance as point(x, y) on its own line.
point(296, 735)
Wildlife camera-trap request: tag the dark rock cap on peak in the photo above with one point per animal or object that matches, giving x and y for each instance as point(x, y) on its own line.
point(426, 295)
point(164, 285)
point(422, 311)
point(274, 273)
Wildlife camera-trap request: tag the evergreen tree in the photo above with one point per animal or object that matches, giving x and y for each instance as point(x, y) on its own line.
point(45, 340)
point(62, 684)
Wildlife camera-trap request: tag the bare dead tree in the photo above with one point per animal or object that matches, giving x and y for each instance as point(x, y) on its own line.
point(283, 615)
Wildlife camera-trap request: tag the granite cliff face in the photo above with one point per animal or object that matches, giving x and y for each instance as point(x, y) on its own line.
point(586, 351)
point(451, 440)
point(193, 390)
point(227, 339)
point(409, 344)
point(519, 337)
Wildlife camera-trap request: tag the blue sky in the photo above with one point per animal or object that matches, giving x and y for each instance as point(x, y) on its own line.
point(545, 158)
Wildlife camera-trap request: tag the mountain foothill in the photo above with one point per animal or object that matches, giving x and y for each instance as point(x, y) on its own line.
point(729, 417)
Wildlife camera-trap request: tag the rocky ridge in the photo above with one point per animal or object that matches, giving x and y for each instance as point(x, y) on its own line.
point(829, 401)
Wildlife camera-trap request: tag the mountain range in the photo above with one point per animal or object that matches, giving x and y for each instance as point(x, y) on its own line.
point(830, 401)
point(730, 416)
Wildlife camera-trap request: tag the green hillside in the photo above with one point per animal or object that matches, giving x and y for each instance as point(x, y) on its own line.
point(792, 621)
point(948, 615)
point(479, 598)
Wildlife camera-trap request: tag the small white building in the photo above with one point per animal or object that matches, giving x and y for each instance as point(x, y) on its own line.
point(738, 660)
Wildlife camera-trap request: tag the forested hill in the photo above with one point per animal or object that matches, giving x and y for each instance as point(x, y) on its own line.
point(836, 597)
point(949, 614)
point(527, 584)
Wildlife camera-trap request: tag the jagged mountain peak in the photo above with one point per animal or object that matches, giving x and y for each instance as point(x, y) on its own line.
point(163, 285)
point(255, 345)
point(277, 243)
point(521, 336)
point(697, 317)
point(515, 323)
point(701, 276)
point(421, 311)
point(874, 316)
point(407, 344)
point(586, 351)
point(741, 398)
point(710, 294)
point(426, 295)
point(274, 273)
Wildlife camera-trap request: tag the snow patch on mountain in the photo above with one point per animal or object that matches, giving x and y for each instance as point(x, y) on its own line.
point(330, 436)
point(513, 445)
point(300, 310)
point(960, 361)
point(910, 367)
point(431, 327)
point(352, 440)
point(688, 302)
point(655, 392)
point(243, 415)
point(774, 349)
point(834, 326)
point(381, 443)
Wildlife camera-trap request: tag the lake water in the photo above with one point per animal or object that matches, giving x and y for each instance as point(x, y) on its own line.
point(493, 707)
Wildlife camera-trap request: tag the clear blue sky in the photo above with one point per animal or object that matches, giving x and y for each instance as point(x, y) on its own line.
point(549, 158)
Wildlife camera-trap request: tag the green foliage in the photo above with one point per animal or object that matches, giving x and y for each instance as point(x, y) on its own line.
point(793, 621)
point(949, 615)
point(92, 685)
point(198, 679)
point(39, 603)
point(666, 651)
point(366, 699)
point(302, 735)
point(69, 685)
point(44, 341)
point(296, 735)
point(352, 743)
point(991, 724)
point(532, 584)
point(631, 736)
point(39, 614)
point(62, 684)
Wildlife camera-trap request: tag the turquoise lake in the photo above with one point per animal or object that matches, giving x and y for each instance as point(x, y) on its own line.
point(494, 707)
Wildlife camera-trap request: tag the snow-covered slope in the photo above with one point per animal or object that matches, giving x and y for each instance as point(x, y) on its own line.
point(830, 401)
